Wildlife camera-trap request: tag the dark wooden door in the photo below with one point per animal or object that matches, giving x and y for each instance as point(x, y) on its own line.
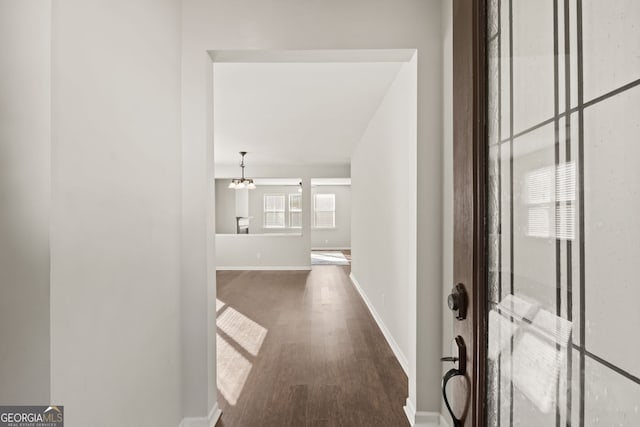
point(467, 393)
point(546, 97)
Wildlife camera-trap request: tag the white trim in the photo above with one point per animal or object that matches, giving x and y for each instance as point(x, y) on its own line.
point(266, 267)
point(410, 412)
point(214, 415)
point(297, 234)
point(280, 182)
point(422, 418)
point(315, 55)
point(394, 345)
point(332, 249)
point(443, 421)
point(209, 421)
point(330, 182)
point(427, 419)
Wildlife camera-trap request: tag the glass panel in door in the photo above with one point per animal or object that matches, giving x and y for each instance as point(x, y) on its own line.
point(564, 202)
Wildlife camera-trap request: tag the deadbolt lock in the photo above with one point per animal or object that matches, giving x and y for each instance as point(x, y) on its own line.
point(458, 301)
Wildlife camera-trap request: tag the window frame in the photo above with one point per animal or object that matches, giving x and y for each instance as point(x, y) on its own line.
point(295, 210)
point(556, 204)
point(265, 211)
point(315, 211)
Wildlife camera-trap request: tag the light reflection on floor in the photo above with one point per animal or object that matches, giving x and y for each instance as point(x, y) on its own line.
point(533, 343)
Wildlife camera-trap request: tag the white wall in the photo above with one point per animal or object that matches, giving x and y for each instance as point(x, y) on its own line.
point(384, 212)
point(115, 220)
point(447, 176)
point(219, 24)
point(225, 208)
point(340, 236)
point(25, 159)
point(242, 202)
point(262, 251)
point(115, 228)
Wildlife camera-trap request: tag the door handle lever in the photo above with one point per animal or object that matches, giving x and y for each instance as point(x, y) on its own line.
point(450, 374)
point(454, 372)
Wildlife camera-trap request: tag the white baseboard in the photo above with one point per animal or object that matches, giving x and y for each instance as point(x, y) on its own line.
point(331, 249)
point(266, 268)
point(444, 422)
point(422, 418)
point(410, 412)
point(392, 342)
point(214, 415)
point(427, 419)
point(209, 421)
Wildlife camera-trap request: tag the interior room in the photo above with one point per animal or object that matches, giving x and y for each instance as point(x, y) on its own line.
point(363, 213)
point(293, 138)
point(275, 207)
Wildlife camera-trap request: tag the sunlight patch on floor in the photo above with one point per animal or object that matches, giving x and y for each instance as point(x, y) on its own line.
point(239, 339)
point(233, 370)
point(244, 331)
point(328, 258)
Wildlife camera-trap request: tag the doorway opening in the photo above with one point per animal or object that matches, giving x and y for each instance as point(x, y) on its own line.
point(339, 115)
point(330, 221)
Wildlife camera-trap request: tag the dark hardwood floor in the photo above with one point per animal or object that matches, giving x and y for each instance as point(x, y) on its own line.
point(301, 349)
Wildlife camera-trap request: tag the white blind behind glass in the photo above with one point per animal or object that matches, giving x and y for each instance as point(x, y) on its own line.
point(274, 211)
point(295, 210)
point(324, 210)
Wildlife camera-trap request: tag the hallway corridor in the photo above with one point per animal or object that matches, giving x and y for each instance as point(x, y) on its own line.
point(301, 349)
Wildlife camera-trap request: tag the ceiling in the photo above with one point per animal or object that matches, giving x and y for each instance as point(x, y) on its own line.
point(295, 113)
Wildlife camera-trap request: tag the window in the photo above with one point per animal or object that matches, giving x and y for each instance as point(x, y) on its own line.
point(551, 194)
point(324, 210)
point(295, 210)
point(274, 211)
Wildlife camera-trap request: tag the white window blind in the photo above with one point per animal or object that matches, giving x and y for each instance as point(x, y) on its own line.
point(550, 199)
point(295, 210)
point(324, 210)
point(274, 211)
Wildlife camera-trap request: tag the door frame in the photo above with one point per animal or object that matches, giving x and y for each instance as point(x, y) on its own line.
point(470, 180)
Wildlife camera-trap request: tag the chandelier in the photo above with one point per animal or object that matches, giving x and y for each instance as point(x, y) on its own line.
point(240, 183)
